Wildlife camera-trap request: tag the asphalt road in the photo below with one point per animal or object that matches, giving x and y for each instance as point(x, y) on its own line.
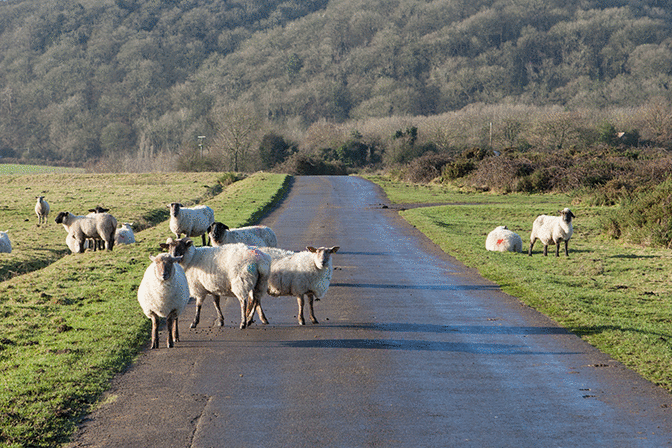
point(412, 350)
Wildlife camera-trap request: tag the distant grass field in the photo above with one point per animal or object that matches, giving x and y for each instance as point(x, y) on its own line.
point(69, 323)
point(16, 168)
point(617, 297)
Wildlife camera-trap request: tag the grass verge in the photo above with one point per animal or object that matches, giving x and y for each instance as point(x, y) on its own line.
point(68, 328)
point(615, 296)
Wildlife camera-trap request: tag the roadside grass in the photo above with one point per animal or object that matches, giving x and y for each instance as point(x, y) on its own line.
point(617, 297)
point(68, 328)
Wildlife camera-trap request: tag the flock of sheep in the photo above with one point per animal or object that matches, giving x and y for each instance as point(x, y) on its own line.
point(550, 230)
point(244, 263)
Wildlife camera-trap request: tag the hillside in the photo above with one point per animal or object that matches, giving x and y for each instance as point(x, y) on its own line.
point(84, 79)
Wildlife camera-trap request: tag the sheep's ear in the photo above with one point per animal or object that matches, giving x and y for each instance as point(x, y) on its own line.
point(311, 249)
point(164, 246)
point(188, 242)
point(152, 257)
point(169, 240)
point(334, 249)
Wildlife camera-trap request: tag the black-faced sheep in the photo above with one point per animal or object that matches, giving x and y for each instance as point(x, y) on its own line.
point(261, 236)
point(97, 226)
point(553, 230)
point(232, 270)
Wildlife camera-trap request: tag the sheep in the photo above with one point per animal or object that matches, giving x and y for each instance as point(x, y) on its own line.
point(98, 225)
point(124, 234)
point(163, 293)
point(261, 236)
point(190, 221)
point(232, 270)
point(501, 239)
point(297, 274)
point(41, 210)
point(96, 243)
point(5, 243)
point(553, 230)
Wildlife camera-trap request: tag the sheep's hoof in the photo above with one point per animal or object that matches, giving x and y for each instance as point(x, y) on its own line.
point(193, 325)
point(314, 321)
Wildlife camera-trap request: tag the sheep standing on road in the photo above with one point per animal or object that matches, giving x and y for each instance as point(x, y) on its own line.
point(192, 221)
point(232, 270)
point(553, 230)
point(97, 226)
point(41, 210)
point(299, 274)
point(5, 243)
point(501, 239)
point(163, 293)
point(261, 236)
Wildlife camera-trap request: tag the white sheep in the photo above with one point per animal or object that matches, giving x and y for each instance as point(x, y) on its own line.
point(124, 234)
point(232, 270)
point(41, 210)
point(5, 243)
point(297, 274)
point(501, 239)
point(163, 293)
point(553, 230)
point(261, 236)
point(97, 226)
point(192, 221)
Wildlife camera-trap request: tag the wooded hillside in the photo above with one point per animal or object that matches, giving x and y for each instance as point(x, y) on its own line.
point(88, 79)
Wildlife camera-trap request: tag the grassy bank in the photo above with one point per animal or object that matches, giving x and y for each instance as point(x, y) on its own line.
point(617, 297)
point(69, 327)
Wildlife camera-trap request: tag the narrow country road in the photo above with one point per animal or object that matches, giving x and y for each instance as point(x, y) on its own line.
point(412, 350)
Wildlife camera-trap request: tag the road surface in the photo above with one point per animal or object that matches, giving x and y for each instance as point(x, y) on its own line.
point(412, 350)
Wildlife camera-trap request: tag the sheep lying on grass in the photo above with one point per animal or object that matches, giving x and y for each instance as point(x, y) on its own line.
point(125, 234)
point(5, 243)
point(553, 230)
point(41, 210)
point(163, 293)
point(299, 274)
point(232, 270)
point(261, 236)
point(501, 239)
point(192, 221)
point(97, 226)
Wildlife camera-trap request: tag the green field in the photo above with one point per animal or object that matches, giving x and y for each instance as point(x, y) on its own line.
point(618, 297)
point(69, 323)
point(16, 168)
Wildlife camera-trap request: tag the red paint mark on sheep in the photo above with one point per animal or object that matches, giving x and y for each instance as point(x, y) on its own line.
point(500, 241)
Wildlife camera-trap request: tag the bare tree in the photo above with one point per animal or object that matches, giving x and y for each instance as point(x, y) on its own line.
point(237, 132)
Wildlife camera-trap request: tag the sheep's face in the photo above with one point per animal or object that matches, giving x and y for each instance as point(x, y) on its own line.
point(163, 265)
point(175, 209)
point(99, 209)
point(322, 255)
point(567, 215)
point(177, 248)
point(217, 230)
point(62, 217)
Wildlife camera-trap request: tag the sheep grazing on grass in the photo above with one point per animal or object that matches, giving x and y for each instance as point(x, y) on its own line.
point(553, 230)
point(261, 236)
point(232, 270)
point(299, 274)
point(5, 243)
point(501, 239)
point(97, 226)
point(163, 293)
point(192, 221)
point(125, 234)
point(41, 210)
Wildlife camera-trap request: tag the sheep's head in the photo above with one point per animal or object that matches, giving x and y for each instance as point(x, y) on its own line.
point(62, 217)
point(217, 230)
point(322, 255)
point(567, 215)
point(175, 209)
point(163, 265)
point(99, 209)
point(177, 248)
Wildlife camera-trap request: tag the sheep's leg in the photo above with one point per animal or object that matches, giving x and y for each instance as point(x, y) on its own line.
point(197, 317)
point(243, 311)
point(566, 248)
point(545, 250)
point(313, 319)
point(299, 300)
point(203, 237)
point(255, 304)
point(557, 248)
point(176, 331)
point(529, 252)
point(155, 331)
point(170, 323)
point(220, 316)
